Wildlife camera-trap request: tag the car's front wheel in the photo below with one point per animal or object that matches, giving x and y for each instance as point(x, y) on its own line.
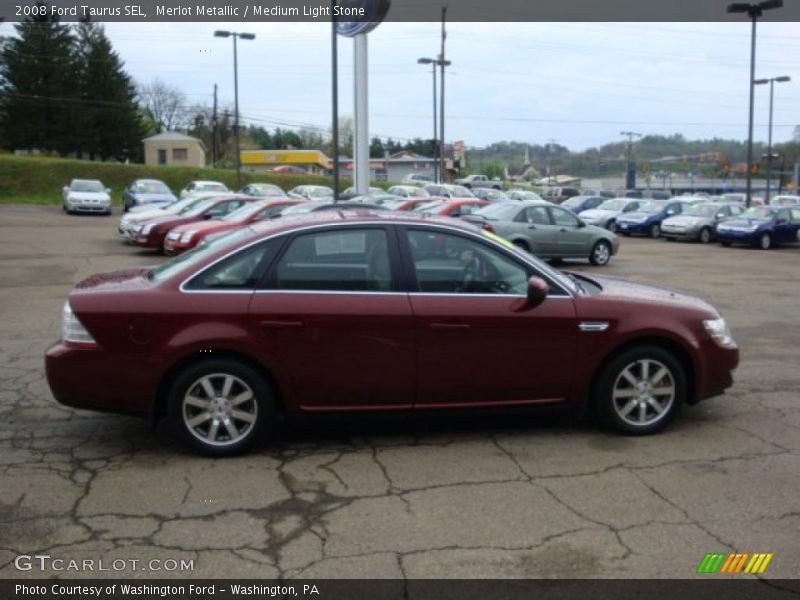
point(601, 253)
point(705, 235)
point(221, 406)
point(655, 230)
point(641, 390)
point(765, 241)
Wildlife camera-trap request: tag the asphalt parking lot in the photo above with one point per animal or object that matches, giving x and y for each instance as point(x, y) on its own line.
point(432, 497)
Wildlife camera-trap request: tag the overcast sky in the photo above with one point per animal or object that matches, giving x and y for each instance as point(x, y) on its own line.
point(577, 83)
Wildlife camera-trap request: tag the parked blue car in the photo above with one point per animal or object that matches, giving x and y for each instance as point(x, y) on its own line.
point(578, 203)
point(646, 220)
point(761, 226)
point(152, 192)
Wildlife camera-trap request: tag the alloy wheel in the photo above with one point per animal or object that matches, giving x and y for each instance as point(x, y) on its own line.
point(601, 253)
point(765, 241)
point(644, 392)
point(705, 235)
point(219, 409)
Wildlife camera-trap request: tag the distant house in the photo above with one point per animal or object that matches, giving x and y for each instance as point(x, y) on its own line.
point(393, 167)
point(523, 172)
point(311, 161)
point(174, 149)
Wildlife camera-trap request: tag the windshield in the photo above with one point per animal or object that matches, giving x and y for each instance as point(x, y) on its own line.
point(264, 189)
point(428, 206)
point(197, 254)
point(245, 212)
point(210, 186)
point(649, 207)
point(758, 212)
point(700, 210)
point(303, 207)
point(319, 192)
point(195, 208)
point(613, 204)
point(573, 202)
point(151, 187)
point(498, 212)
point(87, 185)
point(458, 191)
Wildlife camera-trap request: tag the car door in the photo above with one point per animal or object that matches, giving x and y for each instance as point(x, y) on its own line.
point(785, 229)
point(572, 238)
point(331, 314)
point(537, 228)
point(477, 343)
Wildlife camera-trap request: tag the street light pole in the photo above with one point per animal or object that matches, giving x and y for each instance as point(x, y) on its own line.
point(245, 36)
point(753, 11)
point(434, 63)
point(771, 82)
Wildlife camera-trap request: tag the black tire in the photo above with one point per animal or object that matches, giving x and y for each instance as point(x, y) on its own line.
point(612, 225)
point(521, 245)
point(600, 254)
point(669, 239)
point(655, 231)
point(626, 234)
point(260, 407)
point(726, 244)
point(765, 241)
point(610, 410)
point(705, 236)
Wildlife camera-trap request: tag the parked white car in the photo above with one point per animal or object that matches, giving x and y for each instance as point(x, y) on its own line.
point(86, 195)
point(195, 187)
point(606, 214)
point(784, 200)
point(140, 214)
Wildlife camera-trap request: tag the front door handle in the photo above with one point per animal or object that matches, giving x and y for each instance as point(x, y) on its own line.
point(449, 326)
point(531, 226)
point(282, 324)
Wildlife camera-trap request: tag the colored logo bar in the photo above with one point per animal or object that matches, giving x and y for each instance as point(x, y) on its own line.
point(736, 562)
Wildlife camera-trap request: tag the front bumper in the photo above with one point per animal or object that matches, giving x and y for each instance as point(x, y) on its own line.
point(714, 374)
point(680, 234)
point(629, 227)
point(89, 207)
point(148, 240)
point(737, 237)
point(176, 246)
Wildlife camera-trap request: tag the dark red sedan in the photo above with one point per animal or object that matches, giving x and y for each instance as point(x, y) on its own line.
point(153, 233)
point(377, 311)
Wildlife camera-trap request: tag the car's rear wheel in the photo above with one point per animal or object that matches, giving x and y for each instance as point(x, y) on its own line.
point(765, 241)
point(641, 390)
point(221, 406)
point(704, 237)
point(601, 253)
point(522, 245)
point(655, 230)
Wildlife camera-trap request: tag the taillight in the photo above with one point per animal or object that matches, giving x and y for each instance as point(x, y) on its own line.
point(488, 228)
point(72, 330)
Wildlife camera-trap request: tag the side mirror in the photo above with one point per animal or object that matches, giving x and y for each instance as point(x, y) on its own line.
point(537, 291)
point(581, 224)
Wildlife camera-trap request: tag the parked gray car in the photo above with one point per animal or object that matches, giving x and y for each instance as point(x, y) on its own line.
point(86, 195)
point(547, 231)
point(699, 221)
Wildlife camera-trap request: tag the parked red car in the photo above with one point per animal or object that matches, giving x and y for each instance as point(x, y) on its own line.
point(152, 233)
point(185, 237)
point(451, 208)
point(362, 311)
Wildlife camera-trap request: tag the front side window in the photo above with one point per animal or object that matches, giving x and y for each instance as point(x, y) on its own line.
point(240, 271)
point(451, 264)
point(351, 260)
point(563, 218)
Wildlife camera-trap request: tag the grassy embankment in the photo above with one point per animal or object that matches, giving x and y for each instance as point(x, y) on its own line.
point(39, 180)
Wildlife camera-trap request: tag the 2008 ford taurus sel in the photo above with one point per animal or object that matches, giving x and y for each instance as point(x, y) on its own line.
point(357, 311)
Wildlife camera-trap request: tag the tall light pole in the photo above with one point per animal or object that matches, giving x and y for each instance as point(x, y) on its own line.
point(753, 11)
point(630, 182)
point(771, 81)
point(434, 62)
point(245, 36)
point(442, 64)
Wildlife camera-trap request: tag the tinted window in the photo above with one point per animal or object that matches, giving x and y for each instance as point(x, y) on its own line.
point(563, 218)
point(537, 215)
point(238, 272)
point(451, 264)
point(796, 214)
point(341, 261)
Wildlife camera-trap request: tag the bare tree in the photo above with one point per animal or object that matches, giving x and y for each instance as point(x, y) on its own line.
point(164, 105)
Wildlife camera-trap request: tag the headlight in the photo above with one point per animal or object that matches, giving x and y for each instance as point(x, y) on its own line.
point(146, 229)
point(72, 330)
point(187, 237)
point(137, 228)
point(753, 227)
point(719, 331)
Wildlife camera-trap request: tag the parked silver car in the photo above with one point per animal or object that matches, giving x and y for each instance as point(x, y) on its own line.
point(699, 221)
point(86, 195)
point(606, 214)
point(547, 231)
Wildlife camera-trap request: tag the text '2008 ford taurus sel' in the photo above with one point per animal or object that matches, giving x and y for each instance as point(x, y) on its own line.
point(364, 311)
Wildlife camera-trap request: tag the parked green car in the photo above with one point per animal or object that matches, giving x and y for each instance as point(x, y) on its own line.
point(547, 231)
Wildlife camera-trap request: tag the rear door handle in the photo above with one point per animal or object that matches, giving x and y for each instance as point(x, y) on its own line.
point(449, 326)
point(282, 324)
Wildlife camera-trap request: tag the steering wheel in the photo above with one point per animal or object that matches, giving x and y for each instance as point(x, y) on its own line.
point(469, 274)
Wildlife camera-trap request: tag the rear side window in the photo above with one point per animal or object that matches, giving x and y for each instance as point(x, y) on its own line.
point(352, 260)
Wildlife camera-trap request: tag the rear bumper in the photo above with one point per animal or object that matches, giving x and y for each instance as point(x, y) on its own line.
point(94, 380)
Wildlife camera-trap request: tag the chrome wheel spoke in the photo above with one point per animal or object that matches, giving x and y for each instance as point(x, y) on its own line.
point(642, 413)
point(645, 370)
point(657, 406)
point(198, 420)
point(208, 388)
point(243, 397)
point(663, 391)
point(625, 393)
point(658, 376)
point(629, 376)
point(213, 430)
point(226, 386)
point(643, 392)
point(231, 429)
point(197, 402)
point(625, 411)
point(243, 416)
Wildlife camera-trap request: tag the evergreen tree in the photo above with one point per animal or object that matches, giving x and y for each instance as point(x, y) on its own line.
point(110, 118)
point(39, 75)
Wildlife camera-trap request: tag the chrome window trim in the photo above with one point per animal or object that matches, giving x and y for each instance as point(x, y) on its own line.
point(324, 226)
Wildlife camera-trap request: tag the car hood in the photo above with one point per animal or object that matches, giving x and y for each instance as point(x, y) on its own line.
point(686, 220)
point(172, 220)
point(622, 290)
point(210, 225)
point(145, 197)
point(596, 213)
point(112, 281)
point(149, 212)
point(740, 222)
point(636, 216)
point(88, 196)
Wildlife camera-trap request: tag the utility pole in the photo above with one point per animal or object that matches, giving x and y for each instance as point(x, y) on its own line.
point(335, 103)
point(214, 131)
point(442, 167)
point(550, 143)
point(630, 173)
